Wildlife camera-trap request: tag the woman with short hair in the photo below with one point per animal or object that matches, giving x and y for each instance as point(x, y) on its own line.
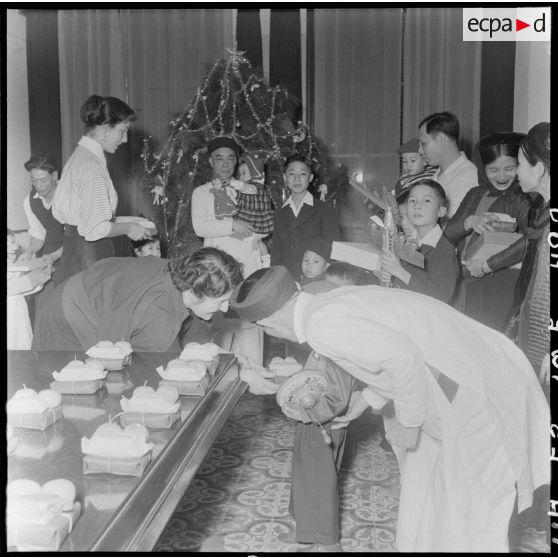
point(85, 200)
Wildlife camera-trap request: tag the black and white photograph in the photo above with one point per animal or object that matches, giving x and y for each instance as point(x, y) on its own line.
point(278, 279)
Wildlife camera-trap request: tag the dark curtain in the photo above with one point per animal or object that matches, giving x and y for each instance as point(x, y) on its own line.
point(44, 84)
point(285, 52)
point(497, 87)
point(249, 37)
point(358, 100)
point(441, 71)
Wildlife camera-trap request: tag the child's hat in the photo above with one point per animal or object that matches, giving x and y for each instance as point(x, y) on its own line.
point(319, 246)
point(411, 146)
point(255, 165)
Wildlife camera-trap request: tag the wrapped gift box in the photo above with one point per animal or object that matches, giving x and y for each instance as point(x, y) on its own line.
point(357, 253)
point(503, 222)
point(42, 538)
point(128, 466)
point(151, 420)
point(489, 243)
point(38, 421)
point(188, 388)
point(84, 387)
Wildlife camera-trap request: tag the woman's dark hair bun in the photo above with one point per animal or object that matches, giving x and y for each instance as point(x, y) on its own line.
point(97, 110)
point(92, 111)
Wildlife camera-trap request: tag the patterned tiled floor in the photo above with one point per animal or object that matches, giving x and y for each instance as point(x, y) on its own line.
point(239, 499)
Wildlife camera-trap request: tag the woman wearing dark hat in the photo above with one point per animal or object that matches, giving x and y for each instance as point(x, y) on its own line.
point(486, 288)
point(85, 200)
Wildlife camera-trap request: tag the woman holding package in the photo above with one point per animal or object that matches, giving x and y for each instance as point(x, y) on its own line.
point(140, 300)
point(85, 200)
point(485, 291)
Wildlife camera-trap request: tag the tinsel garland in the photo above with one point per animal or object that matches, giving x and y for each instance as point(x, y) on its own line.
point(231, 100)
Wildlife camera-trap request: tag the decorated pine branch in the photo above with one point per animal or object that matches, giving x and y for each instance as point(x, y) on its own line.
point(231, 100)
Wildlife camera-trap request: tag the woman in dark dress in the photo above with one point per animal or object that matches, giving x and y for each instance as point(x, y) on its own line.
point(140, 300)
point(531, 305)
point(485, 291)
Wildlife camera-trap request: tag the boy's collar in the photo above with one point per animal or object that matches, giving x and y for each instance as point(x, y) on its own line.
point(432, 237)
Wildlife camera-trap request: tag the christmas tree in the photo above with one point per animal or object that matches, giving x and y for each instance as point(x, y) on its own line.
point(231, 100)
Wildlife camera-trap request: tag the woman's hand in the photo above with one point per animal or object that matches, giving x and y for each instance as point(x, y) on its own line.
point(476, 267)
point(256, 376)
point(257, 383)
point(357, 406)
point(480, 223)
point(137, 232)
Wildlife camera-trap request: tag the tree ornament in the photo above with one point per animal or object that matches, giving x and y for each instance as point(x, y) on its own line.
point(299, 135)
point(157, 195)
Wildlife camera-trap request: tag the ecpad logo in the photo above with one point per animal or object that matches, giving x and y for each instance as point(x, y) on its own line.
point(506, 24)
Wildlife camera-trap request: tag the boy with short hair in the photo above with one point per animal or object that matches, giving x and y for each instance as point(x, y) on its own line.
point(426, 204)
point(300, 218)
point(413, 165)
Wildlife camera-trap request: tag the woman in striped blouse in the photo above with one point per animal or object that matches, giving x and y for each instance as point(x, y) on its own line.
point(85, 200)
